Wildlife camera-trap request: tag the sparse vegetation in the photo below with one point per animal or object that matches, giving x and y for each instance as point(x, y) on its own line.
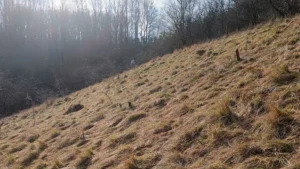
point(85, 159)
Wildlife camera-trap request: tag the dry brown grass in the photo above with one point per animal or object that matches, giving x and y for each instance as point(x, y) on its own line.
point(180, 115)
point(84, 159)
point(283, 75)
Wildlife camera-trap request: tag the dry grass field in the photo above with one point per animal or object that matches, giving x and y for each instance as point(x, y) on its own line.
point(195, 108)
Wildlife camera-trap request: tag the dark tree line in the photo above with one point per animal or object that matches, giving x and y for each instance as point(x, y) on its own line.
point(49, 49)
point(198, 20)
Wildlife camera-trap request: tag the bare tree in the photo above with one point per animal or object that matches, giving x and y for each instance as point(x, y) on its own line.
point(181, 14)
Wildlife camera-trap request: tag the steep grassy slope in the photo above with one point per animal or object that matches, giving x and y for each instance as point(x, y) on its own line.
point(196, 108)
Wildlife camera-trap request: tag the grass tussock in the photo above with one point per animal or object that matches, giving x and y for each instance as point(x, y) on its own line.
point(42, 146)
point(188, 139)
point(163, 129)
point(131, 164)
point(246, 151)
point(68, 142)
point(265, 163)
point(57, 165)
point(155, 90)
point(135, 117)
point(282, 75)
point(88, 126)
point(123, 139)
point(41, 166)
point(279, 122)
point(74, 108)
point(10, 159)
point(218, 165)
point(178, 159)
point(17, 148)
point(279, 147)
point(54, 134)
point(84, 159)
point(97, 118)
point(29, 158)
point(225, 114)
point(33, 138)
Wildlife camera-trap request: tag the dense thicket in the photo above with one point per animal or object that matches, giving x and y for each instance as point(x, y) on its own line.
point(48, 48)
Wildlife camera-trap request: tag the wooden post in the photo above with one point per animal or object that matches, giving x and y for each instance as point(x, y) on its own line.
point(237, 53)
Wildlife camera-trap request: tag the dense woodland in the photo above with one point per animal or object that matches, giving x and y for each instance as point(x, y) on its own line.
point(48, 49)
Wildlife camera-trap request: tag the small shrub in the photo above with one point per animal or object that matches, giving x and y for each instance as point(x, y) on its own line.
point(74, 108)
point(136, 117)
point(85, 159)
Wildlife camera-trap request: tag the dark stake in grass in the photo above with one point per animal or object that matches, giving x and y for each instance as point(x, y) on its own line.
point(131, 106)
point(237, 54)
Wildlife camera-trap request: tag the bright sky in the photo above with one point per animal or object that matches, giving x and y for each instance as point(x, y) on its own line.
point(158, 3)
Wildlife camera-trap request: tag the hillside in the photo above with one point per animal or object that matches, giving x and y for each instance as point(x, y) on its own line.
point(196, 108)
